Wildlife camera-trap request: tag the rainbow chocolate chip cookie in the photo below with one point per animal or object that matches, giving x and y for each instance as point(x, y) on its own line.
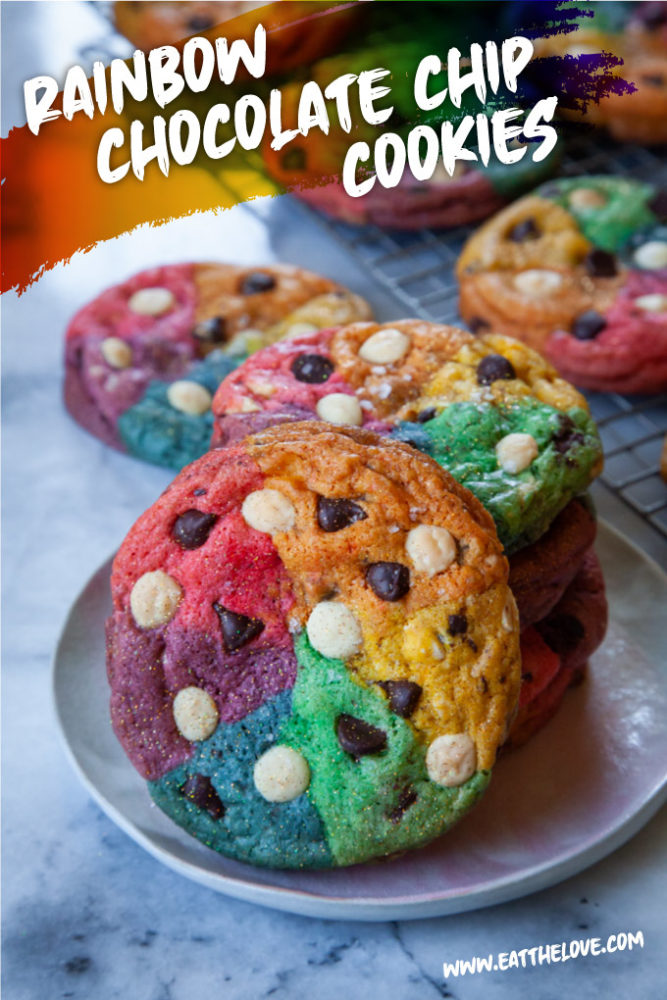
point(144, 358)
point(578, 270)
point(314, 651)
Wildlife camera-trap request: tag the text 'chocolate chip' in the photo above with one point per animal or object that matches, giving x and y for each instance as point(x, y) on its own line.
point(403, 696)
point(257, 281)
point(494, 367)
point(332, 514)
point(192, 528)
point(237, 630)
point(588, 324)
point(388, 580)
point(199, 790)
point(359, 738)
point(313, 368)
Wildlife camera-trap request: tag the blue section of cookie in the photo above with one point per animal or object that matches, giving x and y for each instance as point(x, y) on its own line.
point(153, 430)
point(213, 796)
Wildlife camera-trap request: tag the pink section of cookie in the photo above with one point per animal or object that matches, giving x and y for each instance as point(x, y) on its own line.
point(270, 381)
point(630, 353)
point(227, 596)
point(410, 205)
point(160, 345)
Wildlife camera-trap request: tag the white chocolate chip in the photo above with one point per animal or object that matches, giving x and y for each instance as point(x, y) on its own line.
point(583, 198)
point(652, 303)
point(430, 549)
point(281, 774)
point(195, 713)
point(437, 650)
point(537, 281)
point(154, 599)
point(582, 50)
point(116, 352)
point(651, 255)
point(385, 346)
point(151, 301)
point(340, 408)
point(333, 630)
point(450, 760)
point(515, 452)
point(510, 617)
point(269, 511)
point(244, 406)
point(261, 388)
point(189, 397)
point(300, 330)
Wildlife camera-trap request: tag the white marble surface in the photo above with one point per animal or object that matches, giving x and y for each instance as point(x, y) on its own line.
point(86, 912)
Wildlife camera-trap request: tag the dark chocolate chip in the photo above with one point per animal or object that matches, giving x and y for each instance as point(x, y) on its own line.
point(359, 738)
point(200, 492)
point(388, 580)
point(192, 528)
point(494, 367)
point(333, 515)
point(403, 696)
point(213, 331)
point(313, 368)
point(658, 205)
point(600, 264)
point(527, 229)
point(457, 624)
point(237, 630)
point(588, 324)
point(407, 798)
point(257, 281)
point(294, 159)
point(424, 416)
point(562, 633)
point(653, 79)
point(476, 323)
point(199, 789)
point(567, 436)
point(200, 22)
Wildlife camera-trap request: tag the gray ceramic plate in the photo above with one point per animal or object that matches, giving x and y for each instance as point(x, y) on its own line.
point(578, 790)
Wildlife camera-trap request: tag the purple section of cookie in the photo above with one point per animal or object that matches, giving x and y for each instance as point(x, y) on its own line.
point(96, 394)
point(140, 701)
point(234, 426)
point(147, 668)
point(238, 682)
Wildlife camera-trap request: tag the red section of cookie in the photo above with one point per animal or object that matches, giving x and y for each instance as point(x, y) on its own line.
point(540, 573)
point(566, 638)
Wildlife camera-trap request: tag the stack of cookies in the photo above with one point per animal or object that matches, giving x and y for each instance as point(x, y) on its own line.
point(328, 626)
point(493, 413)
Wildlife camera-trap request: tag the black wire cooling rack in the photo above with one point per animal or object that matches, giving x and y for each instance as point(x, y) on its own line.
point(418, 269)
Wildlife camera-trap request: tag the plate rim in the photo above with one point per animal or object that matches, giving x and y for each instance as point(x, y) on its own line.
point(370, 908)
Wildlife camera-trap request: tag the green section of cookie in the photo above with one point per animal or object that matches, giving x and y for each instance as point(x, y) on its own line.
point(466, 439)
point(157, 431)
point(607, 209)
point(214, 797)
point(379, 802)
